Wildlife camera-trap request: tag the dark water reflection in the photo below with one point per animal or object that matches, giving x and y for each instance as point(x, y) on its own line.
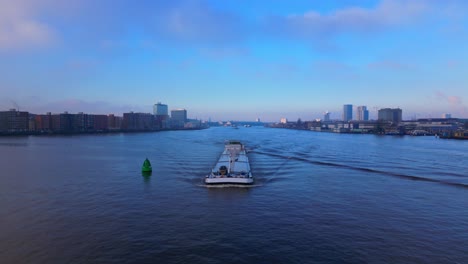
point(317, 198)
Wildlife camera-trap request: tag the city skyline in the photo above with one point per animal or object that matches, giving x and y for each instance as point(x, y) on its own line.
point(235, 60)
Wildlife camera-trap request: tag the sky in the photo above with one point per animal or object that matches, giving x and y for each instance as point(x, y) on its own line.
point(235, 59)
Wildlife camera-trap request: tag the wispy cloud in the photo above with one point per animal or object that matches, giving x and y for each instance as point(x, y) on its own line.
point(328, 69)
point(453, 64)
point(197, 21)
point(193, 22)
point(225, 52)
point(390, 65)
point(31, 24)
point(315, 25)
point(74, 105)
point(455, 102)
point(451, 99)
point(21, 28)
point(82, 63)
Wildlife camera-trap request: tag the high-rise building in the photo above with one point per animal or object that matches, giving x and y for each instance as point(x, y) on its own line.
point(362, 114)
point(161, 115)
point(347, 112)
point(137, 121)
point(65, 122)
point(390, 114)
point(447, 116)
point(44, 122)
point(178, 117)
point(80, 122)
point(14, 121)
point(101, 122)
point(114, 122)
point(326, 116)
point(160, 109)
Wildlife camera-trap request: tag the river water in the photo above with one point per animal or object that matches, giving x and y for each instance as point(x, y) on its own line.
point(318, 198)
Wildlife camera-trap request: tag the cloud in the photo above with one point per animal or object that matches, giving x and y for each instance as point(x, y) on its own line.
point(330, 66)
point(451, 99)
point(20, 28)
point(82, 64)
point(196, 21)
point(32, 24)
point(104, 24)
point(225, 52)
point(389, 65)
point(334, 70)
point(453, 64)
point(455, 102)
point(314, 25)
point(74, 105)
point(39, 23)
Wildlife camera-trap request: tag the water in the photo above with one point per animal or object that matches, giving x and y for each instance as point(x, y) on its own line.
point(318, 198)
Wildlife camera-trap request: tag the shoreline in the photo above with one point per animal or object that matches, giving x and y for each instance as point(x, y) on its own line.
point(103, 132)
point(371, 133)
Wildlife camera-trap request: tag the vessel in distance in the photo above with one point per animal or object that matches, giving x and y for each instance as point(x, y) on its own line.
point(232, 167)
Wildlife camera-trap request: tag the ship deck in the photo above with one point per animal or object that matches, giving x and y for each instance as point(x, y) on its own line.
point(233, 158)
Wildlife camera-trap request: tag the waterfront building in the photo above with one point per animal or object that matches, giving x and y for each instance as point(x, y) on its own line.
point(31, 122)
point(178, 118)
point(80, 122)
point(55, 122)
point(193, 123)
point(161, 115)
point(362, 114)
point(432, 125)
point(63, 122)
point(114, 122)
point(393, 115)
point(339, 127)
point(89, 122)
point(43, 122)
point(283, 120)
point(137, 121)
point(364, 126)
point(160, 109)
point(14, 121)
point(100, 122)
point(326, 116)
point(130, 121)
point(447, 116)
point(347, 112)
point(71, 123)
point(161, 121)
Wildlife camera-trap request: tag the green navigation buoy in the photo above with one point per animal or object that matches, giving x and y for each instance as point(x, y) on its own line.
point(146, 166)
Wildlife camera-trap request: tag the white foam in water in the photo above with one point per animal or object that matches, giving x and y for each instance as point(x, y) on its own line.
point(230, 185)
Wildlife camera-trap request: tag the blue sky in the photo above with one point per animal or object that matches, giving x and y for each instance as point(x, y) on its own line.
point(235, 59)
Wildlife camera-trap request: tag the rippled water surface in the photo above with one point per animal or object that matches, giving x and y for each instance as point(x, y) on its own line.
point(318, 198)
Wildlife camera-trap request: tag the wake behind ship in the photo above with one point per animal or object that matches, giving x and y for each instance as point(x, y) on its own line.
point(232, 167)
